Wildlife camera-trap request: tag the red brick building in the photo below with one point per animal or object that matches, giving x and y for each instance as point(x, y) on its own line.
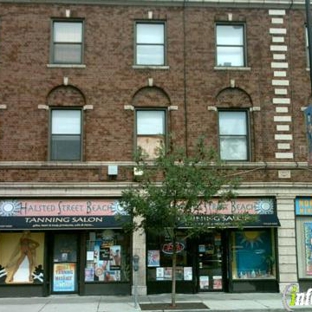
point(83, 83)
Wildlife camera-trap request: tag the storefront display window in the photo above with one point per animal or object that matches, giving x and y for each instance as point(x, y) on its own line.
point(304, 236)
point(304, 246)
point(107, 256)
point(253, 254)
point(21, 258)
point(159, 258)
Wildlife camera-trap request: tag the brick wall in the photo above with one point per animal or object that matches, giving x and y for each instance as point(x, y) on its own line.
point(108, 82)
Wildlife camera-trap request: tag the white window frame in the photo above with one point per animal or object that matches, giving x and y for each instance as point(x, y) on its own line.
point(228, 46)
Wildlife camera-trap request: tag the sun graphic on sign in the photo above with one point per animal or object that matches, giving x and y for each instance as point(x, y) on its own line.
point(117, 208)
point(251, 239)
point(9, 208)
point(264, 206)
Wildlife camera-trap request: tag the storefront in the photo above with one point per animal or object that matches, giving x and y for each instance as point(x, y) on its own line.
point(303, 208)
point(229, 259)
point(62, 246)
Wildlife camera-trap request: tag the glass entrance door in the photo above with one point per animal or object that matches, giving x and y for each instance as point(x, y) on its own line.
point(64, 271)
point(210, 262)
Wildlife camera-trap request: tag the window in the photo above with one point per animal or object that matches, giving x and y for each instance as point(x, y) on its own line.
point(230, 45)
point(253, 254)
point(233, 135)
point(67, 42)
point(108, 257)
point(65, 134)
point(150, 130)
point(150, 44)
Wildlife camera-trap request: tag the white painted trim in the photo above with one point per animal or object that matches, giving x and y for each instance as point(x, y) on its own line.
point(277, 12)
point(285, 101)
point(279, 64)
point(283, 137)
point(284, 155)
point(282, 128)
point(276, 82)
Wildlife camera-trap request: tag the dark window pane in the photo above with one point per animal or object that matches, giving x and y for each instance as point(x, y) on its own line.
point(66, 147)
point(67, 53)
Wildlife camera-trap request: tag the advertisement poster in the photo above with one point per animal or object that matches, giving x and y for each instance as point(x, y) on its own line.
point(153, 258)
point(64, 277)
point(204, 282)
point(21, 258)
point(188, 273)
point(217, 282)
point(308, 247)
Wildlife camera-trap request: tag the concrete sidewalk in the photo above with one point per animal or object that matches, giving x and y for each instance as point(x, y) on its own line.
point(216, 302)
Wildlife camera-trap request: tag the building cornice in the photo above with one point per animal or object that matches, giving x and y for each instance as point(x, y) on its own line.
point(200, 3)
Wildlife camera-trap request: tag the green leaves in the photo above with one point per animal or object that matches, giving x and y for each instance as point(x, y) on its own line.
point(175, 186)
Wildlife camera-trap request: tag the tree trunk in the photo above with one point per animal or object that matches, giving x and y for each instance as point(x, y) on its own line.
point(174, 264)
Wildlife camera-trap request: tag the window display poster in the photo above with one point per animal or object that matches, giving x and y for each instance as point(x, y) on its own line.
point(21, 257)
point(252, 255)
point(168, 273)
point(160, 274)
point(217, 282)
point(308, 247)
point(204, 282)
point(153, 258)
point(89, 274)
point(64, 277)
point(188, 273)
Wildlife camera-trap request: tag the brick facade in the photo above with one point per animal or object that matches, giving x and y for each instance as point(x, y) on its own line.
point(274, 87)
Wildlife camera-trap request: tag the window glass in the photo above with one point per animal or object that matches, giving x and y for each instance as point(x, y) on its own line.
point(233, 135)
point(151, 55)
point(150, 131)
point(159, 258)
point(230, 45)
point(230, 35)
point(304, 246)
point(67, 32)
point(150, 44)
point(253, 254)
point(67, 42)
point(232, 123)
point(150, 33)
point(108, 256)
point(150, 122)
point(66, 135)
point(66, 121)
point(22, 258)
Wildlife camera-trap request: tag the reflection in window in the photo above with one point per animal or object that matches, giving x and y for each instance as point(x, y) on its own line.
point(253, 254)
point(230, 45)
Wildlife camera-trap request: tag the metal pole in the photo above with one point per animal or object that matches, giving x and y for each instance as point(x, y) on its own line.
point(309, 31)
point(135, 289)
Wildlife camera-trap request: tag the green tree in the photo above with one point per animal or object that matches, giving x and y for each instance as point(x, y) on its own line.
point(173, 189)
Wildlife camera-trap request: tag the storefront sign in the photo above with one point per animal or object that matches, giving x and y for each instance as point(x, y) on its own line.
point(60, 214)
point(304, 206)
point(239, 210)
